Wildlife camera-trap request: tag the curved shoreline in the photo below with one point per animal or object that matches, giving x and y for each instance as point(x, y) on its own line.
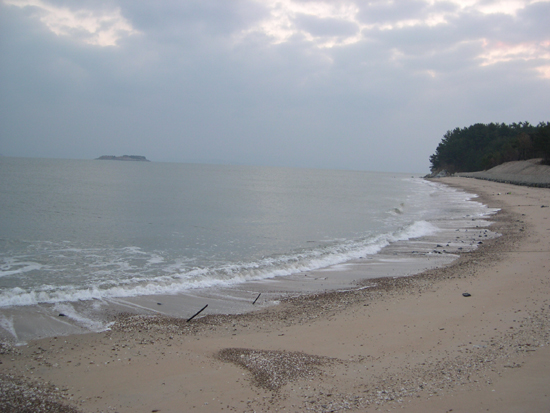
point(462, 227)
point(410, 341)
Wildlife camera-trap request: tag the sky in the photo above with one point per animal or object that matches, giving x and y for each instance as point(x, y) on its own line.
point(341, 84)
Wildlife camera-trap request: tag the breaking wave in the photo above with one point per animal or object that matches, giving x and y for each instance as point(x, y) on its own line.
point(121, 276)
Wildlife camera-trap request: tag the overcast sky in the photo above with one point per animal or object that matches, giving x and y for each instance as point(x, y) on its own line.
point(367, 85)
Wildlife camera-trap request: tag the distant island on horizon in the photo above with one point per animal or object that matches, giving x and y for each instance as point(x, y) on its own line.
point(138, 158)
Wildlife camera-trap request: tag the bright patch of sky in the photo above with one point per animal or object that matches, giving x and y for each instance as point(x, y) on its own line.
point(289, 19)
point(505, 52)
point(325, 24)
point(102, 27)
point(494, 7)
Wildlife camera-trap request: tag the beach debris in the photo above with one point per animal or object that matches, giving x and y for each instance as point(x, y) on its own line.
point(256, 299)
point(466, 294)
point(197, 313)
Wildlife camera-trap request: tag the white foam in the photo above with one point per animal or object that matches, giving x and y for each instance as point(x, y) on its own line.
point(224, 275)
point(7, 324)
point(155, 259)
point(12, 266)
point(68, 311)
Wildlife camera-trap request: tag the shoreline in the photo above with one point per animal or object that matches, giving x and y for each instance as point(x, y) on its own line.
point(413, 342)
point(398, 259)
point(459, 231)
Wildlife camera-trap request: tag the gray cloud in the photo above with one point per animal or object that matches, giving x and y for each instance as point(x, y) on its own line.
point(239, 81)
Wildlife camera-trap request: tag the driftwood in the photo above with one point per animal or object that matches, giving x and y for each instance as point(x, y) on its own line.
point(197, 313)
point(256, 299)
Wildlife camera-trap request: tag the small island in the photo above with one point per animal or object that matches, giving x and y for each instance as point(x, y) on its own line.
point(123, 158)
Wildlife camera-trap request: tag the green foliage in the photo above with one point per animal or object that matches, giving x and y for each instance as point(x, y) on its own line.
point(481, 146)
point(541, 142)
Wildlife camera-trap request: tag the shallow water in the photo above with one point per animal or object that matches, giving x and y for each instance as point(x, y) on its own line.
point(86, 238)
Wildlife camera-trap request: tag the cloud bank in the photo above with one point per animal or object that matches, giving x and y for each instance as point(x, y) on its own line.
point(331, 84)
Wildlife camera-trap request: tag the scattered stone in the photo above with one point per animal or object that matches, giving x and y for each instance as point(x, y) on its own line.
point(273, 369)
point(19, 395)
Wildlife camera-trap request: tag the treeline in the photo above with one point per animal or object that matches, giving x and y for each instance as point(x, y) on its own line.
point(480, 147)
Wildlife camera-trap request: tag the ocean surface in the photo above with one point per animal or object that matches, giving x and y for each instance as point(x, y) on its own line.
point(75, 231)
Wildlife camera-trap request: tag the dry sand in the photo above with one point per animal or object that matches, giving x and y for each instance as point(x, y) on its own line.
point(413, 343)
point(531, 172)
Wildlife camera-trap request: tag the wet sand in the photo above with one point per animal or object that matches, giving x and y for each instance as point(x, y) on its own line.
point(414, 343)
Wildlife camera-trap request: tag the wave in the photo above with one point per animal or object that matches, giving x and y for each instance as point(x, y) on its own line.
point(12, 267)
point(68, 311)
point(180, 280)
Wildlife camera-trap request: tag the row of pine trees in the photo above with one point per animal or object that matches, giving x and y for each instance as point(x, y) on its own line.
point(480, 147)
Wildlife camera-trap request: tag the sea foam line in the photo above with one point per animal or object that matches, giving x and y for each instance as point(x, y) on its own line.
point(227, 275)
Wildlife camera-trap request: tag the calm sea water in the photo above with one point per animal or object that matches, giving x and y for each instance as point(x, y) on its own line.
point(77, 230)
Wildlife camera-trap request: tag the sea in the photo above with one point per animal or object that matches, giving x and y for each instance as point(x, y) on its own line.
point(81, 240)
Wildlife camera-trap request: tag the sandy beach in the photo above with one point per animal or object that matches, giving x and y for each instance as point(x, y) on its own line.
point(468, 337)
